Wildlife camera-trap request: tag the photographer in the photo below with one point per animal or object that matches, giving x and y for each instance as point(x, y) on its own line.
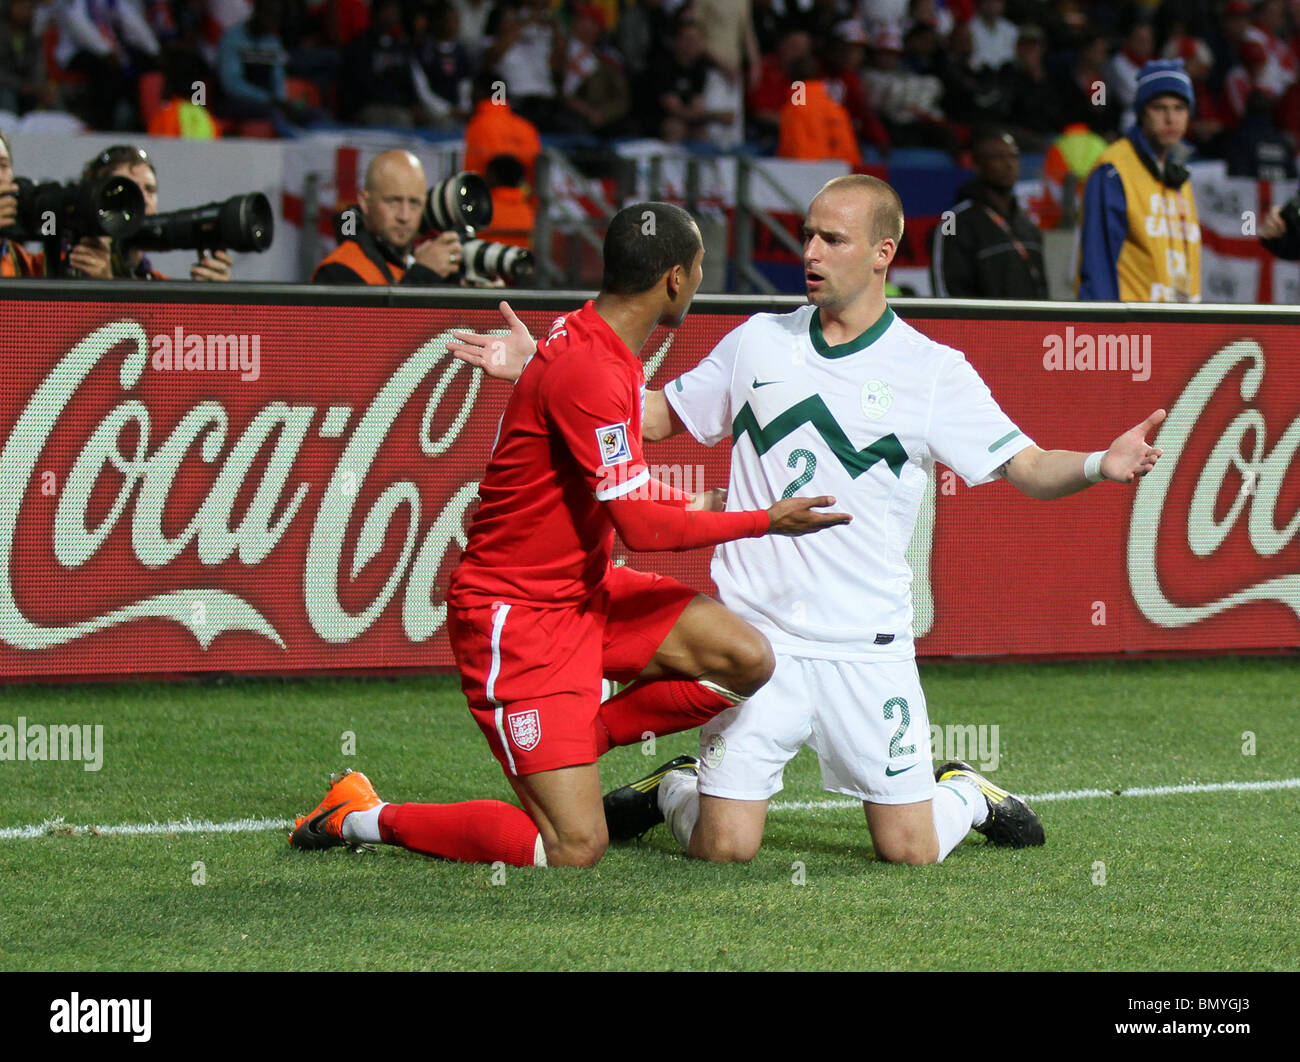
point(15, 260)
point(377, 247)
point(97, 257)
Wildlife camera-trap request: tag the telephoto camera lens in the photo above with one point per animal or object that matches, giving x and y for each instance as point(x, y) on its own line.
point(485, 260)
point(241, 223)
point(462, 201)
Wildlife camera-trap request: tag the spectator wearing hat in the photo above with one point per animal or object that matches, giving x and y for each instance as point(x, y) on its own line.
point(1139, 237)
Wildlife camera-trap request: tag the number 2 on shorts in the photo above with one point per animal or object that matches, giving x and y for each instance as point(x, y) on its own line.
point(905, 719)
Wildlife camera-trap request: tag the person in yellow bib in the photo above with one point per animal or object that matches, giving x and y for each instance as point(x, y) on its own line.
point(1139, 240)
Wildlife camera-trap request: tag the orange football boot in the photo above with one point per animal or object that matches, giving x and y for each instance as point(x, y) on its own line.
point(322, 827)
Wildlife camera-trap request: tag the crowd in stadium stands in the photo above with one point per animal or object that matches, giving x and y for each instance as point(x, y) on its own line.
point(868, 74)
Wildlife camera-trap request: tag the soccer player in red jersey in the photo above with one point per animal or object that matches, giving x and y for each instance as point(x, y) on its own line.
point(538, 613)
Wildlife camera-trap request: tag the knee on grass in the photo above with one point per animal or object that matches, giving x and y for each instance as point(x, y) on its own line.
point(583, 851)
point(911, 852)
point(726, 849)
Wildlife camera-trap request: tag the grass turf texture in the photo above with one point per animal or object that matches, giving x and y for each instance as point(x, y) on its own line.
point(1199, 881)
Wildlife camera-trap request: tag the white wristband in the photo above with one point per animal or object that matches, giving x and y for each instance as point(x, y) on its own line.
point(1092, 467)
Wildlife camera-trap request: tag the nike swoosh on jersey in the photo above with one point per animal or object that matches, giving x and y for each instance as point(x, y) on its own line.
point(890, 772)
point(764, 383)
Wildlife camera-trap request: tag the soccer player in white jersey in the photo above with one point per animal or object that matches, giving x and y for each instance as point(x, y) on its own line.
point(844, 395)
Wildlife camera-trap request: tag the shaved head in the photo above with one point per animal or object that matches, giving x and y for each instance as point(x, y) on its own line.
point(395, 165)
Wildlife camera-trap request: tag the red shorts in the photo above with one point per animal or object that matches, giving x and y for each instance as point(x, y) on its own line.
point(532, 675)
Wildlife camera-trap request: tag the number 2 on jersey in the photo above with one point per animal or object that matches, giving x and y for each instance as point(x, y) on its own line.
point(809, 469)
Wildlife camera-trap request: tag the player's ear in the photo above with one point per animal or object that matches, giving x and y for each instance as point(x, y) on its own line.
point(885, 255)
point(675, 277)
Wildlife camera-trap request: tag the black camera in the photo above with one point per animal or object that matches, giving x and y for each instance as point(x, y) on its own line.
point(463, 203)
point(110, 206)
point(241, 223)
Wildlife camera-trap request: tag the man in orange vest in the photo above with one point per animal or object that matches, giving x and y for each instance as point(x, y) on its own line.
point(378, 246)
point(15, 260)
point(813, 125)
point(496, 130)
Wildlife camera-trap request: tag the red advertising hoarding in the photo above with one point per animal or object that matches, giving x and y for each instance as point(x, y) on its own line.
point(284, 486)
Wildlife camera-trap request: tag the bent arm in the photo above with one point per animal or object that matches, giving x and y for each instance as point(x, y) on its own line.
point(659, 421)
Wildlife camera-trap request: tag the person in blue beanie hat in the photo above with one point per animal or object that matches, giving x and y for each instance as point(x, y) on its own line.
point(1139, 239)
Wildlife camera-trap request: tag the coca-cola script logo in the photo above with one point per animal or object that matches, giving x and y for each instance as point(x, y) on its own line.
point(148, 471)
point(1240, 464)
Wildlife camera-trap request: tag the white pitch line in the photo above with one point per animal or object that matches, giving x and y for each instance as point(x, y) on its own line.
point(1079, 794)
point(133, 829)
point(58, 826)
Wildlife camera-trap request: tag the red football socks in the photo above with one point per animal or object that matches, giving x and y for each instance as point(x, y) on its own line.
point(475, 831)
point(661, 706)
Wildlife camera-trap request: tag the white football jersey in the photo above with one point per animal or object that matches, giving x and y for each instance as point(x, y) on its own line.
point(863, 421)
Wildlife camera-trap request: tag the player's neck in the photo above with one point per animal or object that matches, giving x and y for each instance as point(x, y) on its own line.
point(630, 318)
point(843, 324)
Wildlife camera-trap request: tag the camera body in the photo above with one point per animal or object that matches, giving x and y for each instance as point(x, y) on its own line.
point(110, 206)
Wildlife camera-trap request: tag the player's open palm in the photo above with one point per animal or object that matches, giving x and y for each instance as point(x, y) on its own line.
point(796, 516)
point(497, 355)
point(1131, 457)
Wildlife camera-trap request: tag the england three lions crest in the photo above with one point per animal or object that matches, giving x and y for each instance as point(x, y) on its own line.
point(525, 729)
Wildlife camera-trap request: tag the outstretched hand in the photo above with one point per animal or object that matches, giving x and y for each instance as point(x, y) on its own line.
point(1131, 457)
point(502, 357)
point(795, 516)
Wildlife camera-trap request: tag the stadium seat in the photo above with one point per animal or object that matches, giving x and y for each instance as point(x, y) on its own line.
point(255, 129)
point(300, 88)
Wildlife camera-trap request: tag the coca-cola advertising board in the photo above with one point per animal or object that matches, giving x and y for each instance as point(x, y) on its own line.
point(190, 484)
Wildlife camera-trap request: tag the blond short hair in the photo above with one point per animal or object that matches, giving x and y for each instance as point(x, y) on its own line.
point(887, 216)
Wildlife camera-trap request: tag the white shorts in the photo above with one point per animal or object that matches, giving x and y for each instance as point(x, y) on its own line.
point(867, 723)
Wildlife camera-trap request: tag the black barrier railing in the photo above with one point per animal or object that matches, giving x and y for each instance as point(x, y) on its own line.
point(258, 294)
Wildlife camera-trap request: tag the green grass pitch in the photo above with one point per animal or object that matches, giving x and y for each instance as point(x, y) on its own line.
point(1199, 880)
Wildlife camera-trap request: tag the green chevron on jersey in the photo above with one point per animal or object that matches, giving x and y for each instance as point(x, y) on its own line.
point(812, 410)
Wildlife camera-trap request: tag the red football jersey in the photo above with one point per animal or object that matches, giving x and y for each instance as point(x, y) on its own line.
point(570, 439)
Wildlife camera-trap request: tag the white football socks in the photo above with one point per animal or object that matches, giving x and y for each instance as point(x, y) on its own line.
point(958, 807)
point(679, 800)
point(362, 827)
